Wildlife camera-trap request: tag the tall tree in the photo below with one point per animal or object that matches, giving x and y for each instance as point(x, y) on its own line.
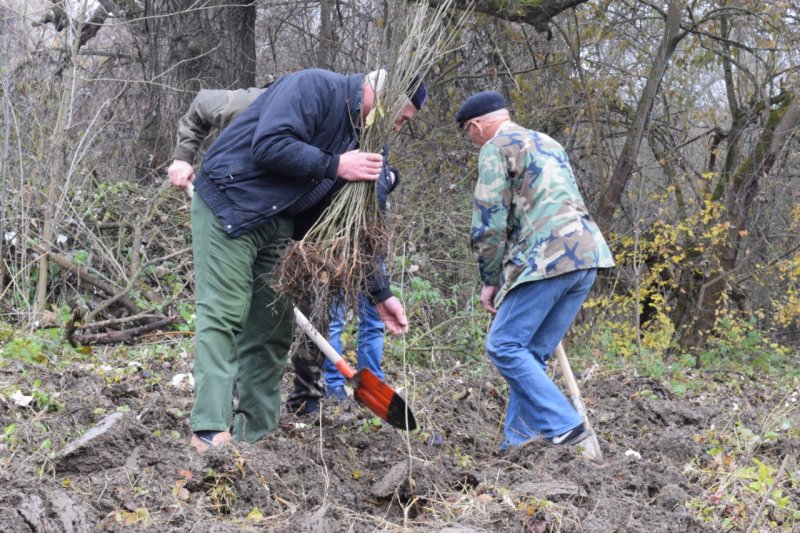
point(627, 157)
point(188, 45)
point(775, 117)
point(182, 45)
point(326, 46)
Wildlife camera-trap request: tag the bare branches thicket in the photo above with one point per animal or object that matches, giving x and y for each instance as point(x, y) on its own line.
point(73, 116)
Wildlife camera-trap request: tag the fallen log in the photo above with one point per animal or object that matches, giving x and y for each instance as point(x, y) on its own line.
point(116, 321)
point(122, 335)
point(85, 276)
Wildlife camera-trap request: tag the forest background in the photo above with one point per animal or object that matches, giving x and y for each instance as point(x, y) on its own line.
point(680, 118)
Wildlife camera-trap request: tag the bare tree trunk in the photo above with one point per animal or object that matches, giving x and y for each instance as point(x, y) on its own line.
point(325, 48)
point(188, 46)
point(627, 159)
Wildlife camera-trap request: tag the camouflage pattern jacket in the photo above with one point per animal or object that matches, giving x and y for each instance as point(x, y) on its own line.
point(529, 221)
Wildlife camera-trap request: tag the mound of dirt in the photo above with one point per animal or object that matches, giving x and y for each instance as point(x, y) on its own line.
point(118, 456)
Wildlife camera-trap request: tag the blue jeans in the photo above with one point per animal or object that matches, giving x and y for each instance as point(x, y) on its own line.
point(526, 330)
point(370, 340)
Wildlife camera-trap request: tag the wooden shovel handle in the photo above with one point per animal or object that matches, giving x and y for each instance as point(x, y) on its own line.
point(566, 372)
point(322, 343)
point(592, 446)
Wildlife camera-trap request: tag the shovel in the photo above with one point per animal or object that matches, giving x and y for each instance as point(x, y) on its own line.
point(591, 445)
point(367, 387)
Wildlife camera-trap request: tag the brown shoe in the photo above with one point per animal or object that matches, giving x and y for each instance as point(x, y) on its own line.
point(206, 439)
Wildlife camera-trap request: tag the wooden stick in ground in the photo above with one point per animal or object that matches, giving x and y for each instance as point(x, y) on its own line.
point(768, 494)
point(590, 445)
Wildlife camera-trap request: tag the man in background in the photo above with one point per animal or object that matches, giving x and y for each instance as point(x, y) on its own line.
point(538, 252)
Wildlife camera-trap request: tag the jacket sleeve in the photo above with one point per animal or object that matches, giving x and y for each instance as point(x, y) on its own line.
point(387, 181)
point(289, 117)
point(378, 285)
point(490, 214)
point(210, 110)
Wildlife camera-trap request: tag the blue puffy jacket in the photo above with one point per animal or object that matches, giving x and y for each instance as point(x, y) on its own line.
point(280, 148)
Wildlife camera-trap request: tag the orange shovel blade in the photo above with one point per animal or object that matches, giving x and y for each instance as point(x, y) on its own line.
point(379, 398)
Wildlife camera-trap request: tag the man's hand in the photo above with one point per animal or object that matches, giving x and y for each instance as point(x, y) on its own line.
point(359, 166)
point(488, 292)
point(181, 174)
point(393, 315)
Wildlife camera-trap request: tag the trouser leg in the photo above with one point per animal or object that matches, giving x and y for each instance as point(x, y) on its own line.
point(545, 309)
point(307, 361)
point(223, 283)
point(370, 336)
point(264, 344)
point(334, 378)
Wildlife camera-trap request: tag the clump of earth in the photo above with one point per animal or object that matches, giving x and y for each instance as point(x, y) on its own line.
point(114, 455)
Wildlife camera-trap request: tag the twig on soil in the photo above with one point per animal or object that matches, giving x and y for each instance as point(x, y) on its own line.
point(122, 293)
point(84, 275)
point(116, 321)
point(406, 437)
point(768, 494)
point(325, 474)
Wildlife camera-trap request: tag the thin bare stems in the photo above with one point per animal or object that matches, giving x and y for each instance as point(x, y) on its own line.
point(348, 244)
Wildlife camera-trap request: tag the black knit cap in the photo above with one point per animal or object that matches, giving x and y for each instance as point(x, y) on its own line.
point(479, 104)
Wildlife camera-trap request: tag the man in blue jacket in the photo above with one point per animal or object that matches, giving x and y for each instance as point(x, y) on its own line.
point(267, 177)
point(210, 112)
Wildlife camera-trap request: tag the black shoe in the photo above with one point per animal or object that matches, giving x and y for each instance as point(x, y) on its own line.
point(575, 435)
point(308, 407)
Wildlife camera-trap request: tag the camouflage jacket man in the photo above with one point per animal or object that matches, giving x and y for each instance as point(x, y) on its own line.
point(529, 221)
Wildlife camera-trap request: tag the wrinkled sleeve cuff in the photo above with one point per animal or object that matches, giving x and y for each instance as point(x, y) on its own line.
point(183, 154)
point(333, 167)
point(382, 295)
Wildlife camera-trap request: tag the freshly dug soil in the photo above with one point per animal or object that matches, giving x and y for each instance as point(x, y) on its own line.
point(113, 454)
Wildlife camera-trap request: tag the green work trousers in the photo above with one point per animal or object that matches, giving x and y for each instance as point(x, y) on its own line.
point(243, 327)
